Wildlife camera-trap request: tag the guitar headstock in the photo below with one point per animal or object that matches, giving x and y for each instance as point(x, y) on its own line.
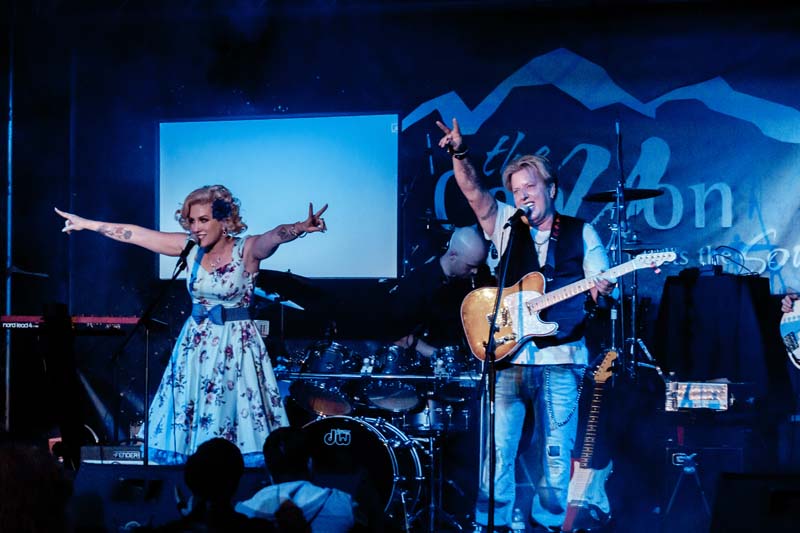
point(655, 258)
point(603, 372)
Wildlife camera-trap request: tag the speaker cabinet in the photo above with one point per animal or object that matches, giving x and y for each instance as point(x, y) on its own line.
point(691, 484)
point(119, 497)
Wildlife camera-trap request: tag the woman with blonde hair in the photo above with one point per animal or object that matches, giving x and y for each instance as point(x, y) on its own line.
point(219, 381)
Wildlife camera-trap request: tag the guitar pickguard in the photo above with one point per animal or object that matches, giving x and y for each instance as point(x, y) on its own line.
point(521, 319)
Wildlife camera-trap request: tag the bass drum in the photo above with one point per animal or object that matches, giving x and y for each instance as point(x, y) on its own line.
point(368, 458)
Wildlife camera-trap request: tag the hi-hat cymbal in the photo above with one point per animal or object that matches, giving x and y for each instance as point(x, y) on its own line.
point(630, 195)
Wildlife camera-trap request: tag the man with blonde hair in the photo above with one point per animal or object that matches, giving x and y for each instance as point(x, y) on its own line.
point(542, 377)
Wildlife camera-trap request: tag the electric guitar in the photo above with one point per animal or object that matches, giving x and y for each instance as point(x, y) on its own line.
point(790, 327)
point(587, 502)
point(521, 303)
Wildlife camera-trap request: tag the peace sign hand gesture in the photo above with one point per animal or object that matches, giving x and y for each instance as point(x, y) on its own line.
point(314, 222)
point(452, 137)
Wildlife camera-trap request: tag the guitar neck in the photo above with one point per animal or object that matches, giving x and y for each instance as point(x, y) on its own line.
point(573, 289)
point(587, 450)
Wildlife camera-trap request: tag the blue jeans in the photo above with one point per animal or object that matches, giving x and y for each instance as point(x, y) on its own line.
point(552, 392)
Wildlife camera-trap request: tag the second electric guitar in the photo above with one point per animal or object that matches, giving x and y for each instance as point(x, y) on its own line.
point(587, 502)
point(790, 327)
point(521, 303)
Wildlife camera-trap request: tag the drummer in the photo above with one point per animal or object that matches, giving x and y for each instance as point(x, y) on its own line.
point(427, 306)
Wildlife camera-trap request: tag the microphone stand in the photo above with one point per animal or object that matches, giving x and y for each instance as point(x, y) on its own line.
point(144, 321)
point(492, 371)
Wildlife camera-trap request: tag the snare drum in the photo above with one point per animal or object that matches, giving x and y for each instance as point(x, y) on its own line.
point(366, 456)
point(393, 394)
point(324, 396)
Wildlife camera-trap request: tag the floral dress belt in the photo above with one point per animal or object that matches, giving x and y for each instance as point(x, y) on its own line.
point(219, 314)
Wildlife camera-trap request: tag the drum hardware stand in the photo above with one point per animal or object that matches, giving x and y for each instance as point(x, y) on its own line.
point(435, 485)
point(634, 342)
point(620, 228)
point(394, 444)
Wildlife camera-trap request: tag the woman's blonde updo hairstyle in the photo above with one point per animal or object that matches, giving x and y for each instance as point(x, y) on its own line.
point(208, 195)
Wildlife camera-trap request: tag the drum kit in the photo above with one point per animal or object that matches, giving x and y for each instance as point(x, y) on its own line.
point(377, 422)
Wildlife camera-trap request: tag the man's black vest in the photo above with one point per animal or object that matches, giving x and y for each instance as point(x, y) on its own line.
point(564, 265)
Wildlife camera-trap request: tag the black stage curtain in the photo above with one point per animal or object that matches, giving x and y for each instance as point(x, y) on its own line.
point(723, 326)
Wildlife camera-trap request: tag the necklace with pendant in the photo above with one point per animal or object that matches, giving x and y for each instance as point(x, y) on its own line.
point(216, 259)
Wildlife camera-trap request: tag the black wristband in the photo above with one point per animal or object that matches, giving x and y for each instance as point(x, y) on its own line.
point(459, 154)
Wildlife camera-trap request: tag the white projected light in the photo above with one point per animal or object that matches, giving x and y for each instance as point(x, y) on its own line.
point(276, 167)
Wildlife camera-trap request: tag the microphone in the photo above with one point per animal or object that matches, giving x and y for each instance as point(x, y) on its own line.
point(523, 211)
point(185, 253)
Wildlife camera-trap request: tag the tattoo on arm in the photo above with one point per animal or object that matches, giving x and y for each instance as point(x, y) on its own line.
point(283, 233)
point(120, 233)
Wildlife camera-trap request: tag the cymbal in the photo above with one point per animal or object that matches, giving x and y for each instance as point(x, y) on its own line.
point(286, 274)
point(635, 247)
point(630, 195)
point(276, 298)
point(289, 285)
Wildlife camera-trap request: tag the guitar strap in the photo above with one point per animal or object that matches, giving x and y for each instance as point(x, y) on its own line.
point(549, 269)
point(524, 258)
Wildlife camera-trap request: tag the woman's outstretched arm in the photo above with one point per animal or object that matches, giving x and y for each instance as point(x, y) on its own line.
point(264, 245)
point(157, 241)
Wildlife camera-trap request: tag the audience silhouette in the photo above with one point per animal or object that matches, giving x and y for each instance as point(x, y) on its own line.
point(287, 459)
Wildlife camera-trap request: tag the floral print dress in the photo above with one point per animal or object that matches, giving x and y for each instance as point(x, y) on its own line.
point(219, 380)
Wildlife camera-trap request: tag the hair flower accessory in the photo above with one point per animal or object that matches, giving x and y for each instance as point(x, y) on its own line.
point(221, 209)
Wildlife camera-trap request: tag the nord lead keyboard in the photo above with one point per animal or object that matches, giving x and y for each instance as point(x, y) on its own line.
point(78, 322)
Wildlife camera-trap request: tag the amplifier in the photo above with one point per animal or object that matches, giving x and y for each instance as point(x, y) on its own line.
point(690, 488)
point(118, 455)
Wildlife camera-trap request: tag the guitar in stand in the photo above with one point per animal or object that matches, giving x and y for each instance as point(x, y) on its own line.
point(790, 327)
point(587, 503)
point(521, 303)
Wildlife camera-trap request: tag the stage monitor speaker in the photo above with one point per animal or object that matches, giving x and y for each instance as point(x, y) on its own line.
point(121, 497)
point(757, 502)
